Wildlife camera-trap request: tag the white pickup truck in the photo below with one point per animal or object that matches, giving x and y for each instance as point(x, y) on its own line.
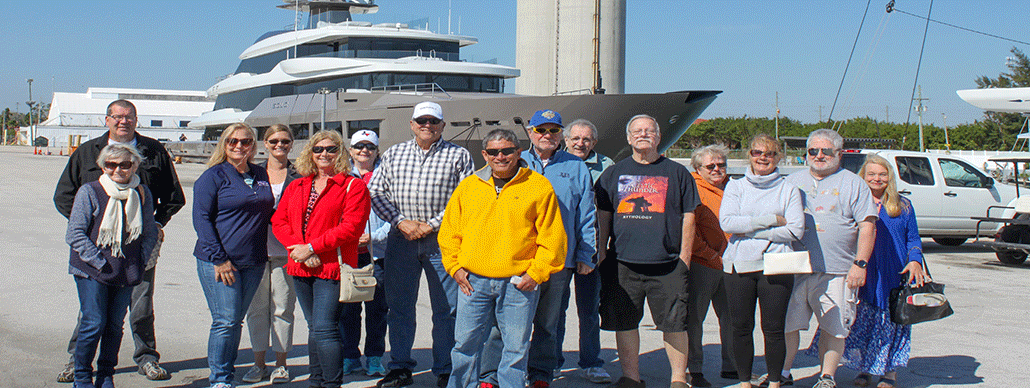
point(946, 191)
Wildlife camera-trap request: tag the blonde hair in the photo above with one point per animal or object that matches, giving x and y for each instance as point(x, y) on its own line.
point(891, 200)
point(218, 156)
point(305, 162)
point(276, 128)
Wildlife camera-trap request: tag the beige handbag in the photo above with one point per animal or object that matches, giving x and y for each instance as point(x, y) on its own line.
point(785, 263)
point(356, 284)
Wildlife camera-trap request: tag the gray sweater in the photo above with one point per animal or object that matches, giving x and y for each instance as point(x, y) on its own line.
point(85, 211)
point(748, 211)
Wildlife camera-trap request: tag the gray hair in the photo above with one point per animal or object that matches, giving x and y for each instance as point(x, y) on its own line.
point(501, 134)
point(583, 122)
point(115, 150)
point(826, 134)
point(717, 150)
point(643, 116)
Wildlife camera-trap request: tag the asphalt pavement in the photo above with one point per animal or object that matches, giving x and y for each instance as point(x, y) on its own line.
point(983, 344)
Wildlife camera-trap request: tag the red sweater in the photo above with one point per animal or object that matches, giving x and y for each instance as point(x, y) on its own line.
point(337, 221)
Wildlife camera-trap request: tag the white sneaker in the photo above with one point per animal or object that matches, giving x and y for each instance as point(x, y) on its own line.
point(597, 375)
point(280, 375)
point(255, 374)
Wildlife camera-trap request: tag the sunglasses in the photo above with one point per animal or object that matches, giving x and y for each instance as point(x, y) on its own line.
point(113, 165)
point(365, 146)
point(505, 151)
point(543, 131)
point(232, 141)
point(277, 141)
point(431, 120)
point(825, 151)
point(768, 154)
point(330, 149)
point(713, 166)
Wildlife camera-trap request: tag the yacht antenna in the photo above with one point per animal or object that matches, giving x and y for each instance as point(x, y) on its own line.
point(448, 17)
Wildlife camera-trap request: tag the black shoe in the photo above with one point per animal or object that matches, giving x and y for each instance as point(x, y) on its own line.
point(698, 380)
point(730, 375)
point(396, 378)
point(441, 380)
point(784, 380)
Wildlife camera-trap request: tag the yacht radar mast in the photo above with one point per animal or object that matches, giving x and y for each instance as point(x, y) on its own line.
point(331, 11)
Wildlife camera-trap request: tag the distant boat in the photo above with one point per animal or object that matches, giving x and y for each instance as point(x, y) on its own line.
point(365, 76)
point(1006, 100)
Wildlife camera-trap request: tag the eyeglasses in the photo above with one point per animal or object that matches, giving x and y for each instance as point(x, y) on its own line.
point(431, 120)
point(825, 151)
point(713, 166)
point(246, 142)
point(505, 151)
point(768, 154)
point(277, 141)
point(113, 165)
point(330, 149)
point(542, 131)
point(638, 132)
point(120, 118)
point(365, 146)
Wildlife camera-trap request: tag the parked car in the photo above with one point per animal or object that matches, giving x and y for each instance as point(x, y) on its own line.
point(946, 192)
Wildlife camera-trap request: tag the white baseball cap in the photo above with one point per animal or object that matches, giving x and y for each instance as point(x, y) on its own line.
point(364, 135)
point(427, 108)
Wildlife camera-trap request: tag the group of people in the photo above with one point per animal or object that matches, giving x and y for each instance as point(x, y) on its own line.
point(500, 248)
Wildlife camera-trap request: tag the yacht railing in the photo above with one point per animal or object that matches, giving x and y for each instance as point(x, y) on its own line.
point(388, 54)
point(578, 91)
point(431, 88)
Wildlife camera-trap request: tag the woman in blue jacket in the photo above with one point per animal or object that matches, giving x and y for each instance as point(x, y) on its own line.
point(232, 206)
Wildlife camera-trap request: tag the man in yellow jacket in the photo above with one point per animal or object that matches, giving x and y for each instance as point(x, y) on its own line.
point(501, 236)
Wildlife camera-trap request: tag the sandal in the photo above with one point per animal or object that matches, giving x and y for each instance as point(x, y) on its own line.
point(886, 383)
point(862, 380)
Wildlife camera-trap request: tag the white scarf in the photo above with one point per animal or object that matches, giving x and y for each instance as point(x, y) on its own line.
point(111, 228)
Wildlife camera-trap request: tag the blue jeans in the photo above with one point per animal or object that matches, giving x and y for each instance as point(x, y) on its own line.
point(228, 305)
point(320, 301)
point(375, 318)
point(494, 303)
point(543, 349)
point(588, 298)
point(405, 260)
point(103, 309)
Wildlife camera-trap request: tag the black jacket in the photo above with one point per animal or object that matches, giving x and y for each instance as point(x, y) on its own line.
point(156, 171)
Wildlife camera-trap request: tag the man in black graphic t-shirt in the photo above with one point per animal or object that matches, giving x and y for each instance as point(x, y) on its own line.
point(646, 203)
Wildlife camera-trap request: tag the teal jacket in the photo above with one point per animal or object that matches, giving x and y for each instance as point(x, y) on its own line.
point(572, 183)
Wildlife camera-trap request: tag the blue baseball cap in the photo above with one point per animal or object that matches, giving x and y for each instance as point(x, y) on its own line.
point(545, 116)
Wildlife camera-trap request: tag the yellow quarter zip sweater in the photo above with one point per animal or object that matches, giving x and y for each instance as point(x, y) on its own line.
point(500, 235)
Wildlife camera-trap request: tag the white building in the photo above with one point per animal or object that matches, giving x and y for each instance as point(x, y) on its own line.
point(161, 114)
point(554, 46)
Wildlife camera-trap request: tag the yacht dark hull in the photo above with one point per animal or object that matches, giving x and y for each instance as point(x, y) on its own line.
point(470, 116)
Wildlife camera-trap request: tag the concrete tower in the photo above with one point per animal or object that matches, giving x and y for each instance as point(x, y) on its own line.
point(554, 46)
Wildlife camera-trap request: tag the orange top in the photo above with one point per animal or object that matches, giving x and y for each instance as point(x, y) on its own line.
point(710, 241)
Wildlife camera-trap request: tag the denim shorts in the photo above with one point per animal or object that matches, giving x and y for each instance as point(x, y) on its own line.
point(625, 287)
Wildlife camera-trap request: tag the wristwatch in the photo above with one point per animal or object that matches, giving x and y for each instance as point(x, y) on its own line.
point(861, 263)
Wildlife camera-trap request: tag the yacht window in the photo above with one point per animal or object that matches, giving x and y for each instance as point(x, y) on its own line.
point(915, 170)
point(300, 131)
point(960, 174)
point(331, 125)
point(184, 123)
point(156, 123)
point(361, 125)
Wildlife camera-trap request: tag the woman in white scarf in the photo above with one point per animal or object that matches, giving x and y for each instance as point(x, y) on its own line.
point(111, 231)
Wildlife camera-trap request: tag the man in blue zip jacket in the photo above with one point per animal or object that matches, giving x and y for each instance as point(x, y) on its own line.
point(570, 178)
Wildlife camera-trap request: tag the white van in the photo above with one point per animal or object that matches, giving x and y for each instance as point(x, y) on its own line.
point(946, 191)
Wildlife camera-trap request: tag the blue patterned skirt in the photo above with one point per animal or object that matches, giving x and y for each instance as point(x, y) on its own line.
point(876, 345)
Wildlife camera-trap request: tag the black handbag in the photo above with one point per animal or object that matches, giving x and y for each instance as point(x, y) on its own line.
point(911, 304)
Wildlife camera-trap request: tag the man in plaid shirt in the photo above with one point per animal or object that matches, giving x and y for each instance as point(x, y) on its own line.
point(410, 190)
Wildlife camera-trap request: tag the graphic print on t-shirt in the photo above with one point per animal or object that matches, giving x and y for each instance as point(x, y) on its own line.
point(641, 196)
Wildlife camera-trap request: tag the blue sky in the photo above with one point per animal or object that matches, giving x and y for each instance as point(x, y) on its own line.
point(749, 49)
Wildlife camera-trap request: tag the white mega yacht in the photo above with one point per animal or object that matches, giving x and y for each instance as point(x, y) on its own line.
point(336, 73)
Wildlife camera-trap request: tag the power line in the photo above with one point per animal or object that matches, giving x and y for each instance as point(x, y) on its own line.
point(890, 7)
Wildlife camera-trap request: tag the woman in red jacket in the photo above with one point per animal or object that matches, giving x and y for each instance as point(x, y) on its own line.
point(319, 219)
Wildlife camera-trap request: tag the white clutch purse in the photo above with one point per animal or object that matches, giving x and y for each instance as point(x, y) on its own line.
point(784, 263)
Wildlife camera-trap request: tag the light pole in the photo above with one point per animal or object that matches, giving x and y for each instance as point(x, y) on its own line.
point(31, 104)
point(323, 92)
